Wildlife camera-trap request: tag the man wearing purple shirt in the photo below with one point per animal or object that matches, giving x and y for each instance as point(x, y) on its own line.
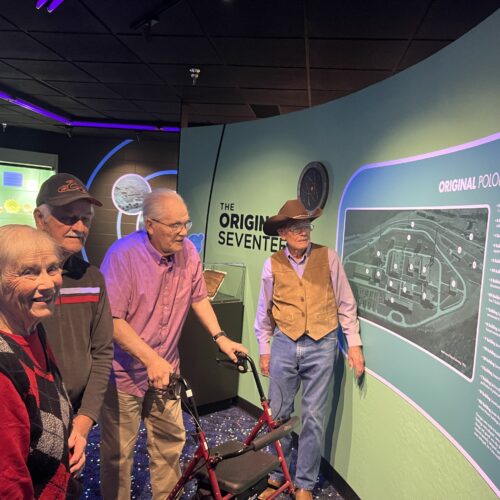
point(153, 277)
point(304, 296)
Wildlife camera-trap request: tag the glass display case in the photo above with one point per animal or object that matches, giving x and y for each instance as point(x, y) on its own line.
point(211, 382)
point(225, 281)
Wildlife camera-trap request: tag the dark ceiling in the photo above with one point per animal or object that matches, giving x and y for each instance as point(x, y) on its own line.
point(129, 61)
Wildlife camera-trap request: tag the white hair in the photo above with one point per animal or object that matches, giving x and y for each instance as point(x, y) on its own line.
point(15, 238)
point(152, 206)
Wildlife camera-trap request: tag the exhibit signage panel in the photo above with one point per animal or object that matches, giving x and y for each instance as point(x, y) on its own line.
point(420, 242)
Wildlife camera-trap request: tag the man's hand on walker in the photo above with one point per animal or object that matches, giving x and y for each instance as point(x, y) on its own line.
point(230, 348)
point(356, 360)
point(159, 371)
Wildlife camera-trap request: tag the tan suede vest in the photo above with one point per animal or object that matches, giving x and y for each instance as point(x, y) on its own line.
point(304, 306)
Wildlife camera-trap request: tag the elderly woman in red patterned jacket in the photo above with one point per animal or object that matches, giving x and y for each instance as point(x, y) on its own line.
point(35, 412)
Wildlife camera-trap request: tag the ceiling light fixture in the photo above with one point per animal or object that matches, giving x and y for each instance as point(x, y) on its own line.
point(52, 5)
point(70, 123)
point(195, 74)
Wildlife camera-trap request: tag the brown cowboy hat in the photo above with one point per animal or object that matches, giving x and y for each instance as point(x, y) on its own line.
point(291, 211)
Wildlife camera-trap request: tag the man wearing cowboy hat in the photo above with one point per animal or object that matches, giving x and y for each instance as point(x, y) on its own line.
point(304, 295)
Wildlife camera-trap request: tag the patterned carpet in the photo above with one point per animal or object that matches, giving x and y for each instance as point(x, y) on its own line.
point(219, 427)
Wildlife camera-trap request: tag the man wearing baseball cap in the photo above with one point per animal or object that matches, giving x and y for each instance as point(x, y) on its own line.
point(304, 296)
point(80, 330)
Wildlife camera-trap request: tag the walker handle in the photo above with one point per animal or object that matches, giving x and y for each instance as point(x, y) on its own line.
point(241, 364)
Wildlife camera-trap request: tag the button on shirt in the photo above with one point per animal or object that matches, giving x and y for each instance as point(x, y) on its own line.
point(153, 294)
point(346, 303)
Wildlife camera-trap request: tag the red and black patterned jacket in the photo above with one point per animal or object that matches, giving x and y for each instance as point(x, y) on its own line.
point(35, 416)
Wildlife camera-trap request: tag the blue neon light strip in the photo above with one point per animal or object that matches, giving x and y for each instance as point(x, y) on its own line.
point(161, 172)
point(96, 171)
point(105, 159)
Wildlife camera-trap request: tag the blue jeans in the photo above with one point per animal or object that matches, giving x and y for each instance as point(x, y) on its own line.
point(309, 362)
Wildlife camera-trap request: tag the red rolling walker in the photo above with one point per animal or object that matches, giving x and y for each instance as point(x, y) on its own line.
point(236, 469)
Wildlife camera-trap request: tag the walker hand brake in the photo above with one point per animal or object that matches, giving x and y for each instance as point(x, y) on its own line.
point(241, 364)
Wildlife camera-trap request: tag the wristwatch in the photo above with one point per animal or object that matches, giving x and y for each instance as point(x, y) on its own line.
point(220, 334)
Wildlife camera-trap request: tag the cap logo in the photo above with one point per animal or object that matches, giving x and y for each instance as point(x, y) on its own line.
point(71, 185)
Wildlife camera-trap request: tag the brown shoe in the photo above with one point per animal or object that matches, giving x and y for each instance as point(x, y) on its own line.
point(274, 484)
point(301, 494)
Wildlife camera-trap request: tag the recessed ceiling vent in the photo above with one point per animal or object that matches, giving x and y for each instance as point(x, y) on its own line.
point(265, 110)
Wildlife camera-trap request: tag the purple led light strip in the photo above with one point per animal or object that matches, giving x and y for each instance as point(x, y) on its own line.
point(126, 126)
point(40, 3)
point(66, 121)
point(52, 5)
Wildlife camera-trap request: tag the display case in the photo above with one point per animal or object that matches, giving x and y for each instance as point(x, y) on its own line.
point(211, 382)
point(225, 281)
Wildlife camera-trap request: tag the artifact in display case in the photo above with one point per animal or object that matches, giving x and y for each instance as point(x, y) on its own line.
point(213, 280)
point(225, 281)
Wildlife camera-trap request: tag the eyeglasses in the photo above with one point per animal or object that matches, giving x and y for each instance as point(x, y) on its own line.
point(69, 220)
point(299, 228)
point(177, 226)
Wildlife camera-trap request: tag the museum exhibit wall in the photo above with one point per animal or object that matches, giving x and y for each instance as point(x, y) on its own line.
point(100, 162)
point(414, 172)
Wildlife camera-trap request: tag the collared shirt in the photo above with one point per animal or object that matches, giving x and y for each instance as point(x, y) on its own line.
point(346, 303)
point(153, 294)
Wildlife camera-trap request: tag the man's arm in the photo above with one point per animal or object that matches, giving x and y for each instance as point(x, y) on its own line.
point(127, 338)
point(101, 347)
point(263, 325)
point(347, 313)
point(101, 351)
point(206, 314)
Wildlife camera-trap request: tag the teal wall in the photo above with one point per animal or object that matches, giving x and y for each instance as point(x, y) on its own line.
point(378, 442)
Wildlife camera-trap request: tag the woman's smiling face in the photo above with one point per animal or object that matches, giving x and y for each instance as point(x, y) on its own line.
point(30, 284)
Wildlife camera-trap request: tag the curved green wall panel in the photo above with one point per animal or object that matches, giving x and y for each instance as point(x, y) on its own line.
point(380, 444)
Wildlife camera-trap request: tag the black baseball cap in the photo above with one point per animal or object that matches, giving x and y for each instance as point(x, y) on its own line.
point(61, 189)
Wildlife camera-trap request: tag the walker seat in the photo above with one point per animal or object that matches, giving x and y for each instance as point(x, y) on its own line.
point(244, 474)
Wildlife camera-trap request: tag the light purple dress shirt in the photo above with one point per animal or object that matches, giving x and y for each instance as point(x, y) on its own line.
point(153, 294)
point(346, 303)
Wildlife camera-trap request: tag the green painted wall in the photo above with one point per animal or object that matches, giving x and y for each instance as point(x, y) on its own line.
point(380, 444)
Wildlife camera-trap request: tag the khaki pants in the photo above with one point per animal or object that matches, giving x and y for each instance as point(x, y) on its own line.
point(120, 420)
